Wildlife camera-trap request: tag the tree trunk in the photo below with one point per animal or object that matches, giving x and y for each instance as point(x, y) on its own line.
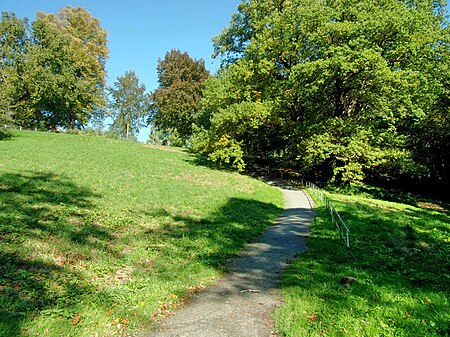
point(72, 120)
point(338, 104)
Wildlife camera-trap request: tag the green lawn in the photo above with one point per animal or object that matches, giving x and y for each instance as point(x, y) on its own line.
point(99, 237)
point(400, 254)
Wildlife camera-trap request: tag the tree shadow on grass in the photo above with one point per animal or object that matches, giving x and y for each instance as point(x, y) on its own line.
point(5, 135)
point(411, 242)
point(388, 193)
point(198, 159)
point(45, 223)
point(401, 263)
point(224, 232)
point(30, 288)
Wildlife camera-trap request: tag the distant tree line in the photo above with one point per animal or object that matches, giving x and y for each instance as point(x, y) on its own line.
point(341, 91)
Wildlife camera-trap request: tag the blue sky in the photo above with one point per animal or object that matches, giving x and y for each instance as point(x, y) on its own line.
point(141, 31)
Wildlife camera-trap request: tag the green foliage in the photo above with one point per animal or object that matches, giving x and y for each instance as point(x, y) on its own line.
point(165, 138)
point(229, 128)
point(432, 145)
point(347, 83)
point(351, 152)
point(399, 255)
point(223, 152)
point(56, 68)
point(176, 102)
point(4, 134)
point(14, 43)
point(234, 110)
point(129, 104)
point(94, 242)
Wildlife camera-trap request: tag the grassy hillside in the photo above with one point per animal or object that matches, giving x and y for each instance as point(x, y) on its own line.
point(400, 255)
point(100, 236)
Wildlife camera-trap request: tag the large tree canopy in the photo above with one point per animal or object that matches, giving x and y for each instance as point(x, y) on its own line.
point(14, 43)
point(176, 101)
point(56, 68)
point(338, 88)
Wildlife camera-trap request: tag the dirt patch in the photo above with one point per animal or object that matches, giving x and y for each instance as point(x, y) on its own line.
point(430, 205)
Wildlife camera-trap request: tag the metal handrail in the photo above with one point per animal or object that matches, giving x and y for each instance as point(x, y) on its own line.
point(344, 231)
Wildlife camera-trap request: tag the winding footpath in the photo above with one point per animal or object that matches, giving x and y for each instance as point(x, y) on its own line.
point(242, 302)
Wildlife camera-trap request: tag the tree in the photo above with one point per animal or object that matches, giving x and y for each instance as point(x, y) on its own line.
point(74, 48)
point(176, 102)
point(129, 104)
point(57, 76)
point(236, 123)
point(14, 44)
point(343, 82)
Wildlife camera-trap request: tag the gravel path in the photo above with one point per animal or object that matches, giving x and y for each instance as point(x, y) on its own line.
point(242, 302)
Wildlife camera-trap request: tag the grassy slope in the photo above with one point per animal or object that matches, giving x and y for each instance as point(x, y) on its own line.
point(401, 256)
point(100, 236)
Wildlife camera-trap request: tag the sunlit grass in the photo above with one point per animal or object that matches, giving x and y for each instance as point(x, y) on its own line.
point(101, 237)
point(400, 255)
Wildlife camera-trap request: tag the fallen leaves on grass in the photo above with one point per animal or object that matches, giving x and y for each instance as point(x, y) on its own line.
point(165, 310)
point(120, 325)
point(76, 319)
point(312, 318)
point(430, 205)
